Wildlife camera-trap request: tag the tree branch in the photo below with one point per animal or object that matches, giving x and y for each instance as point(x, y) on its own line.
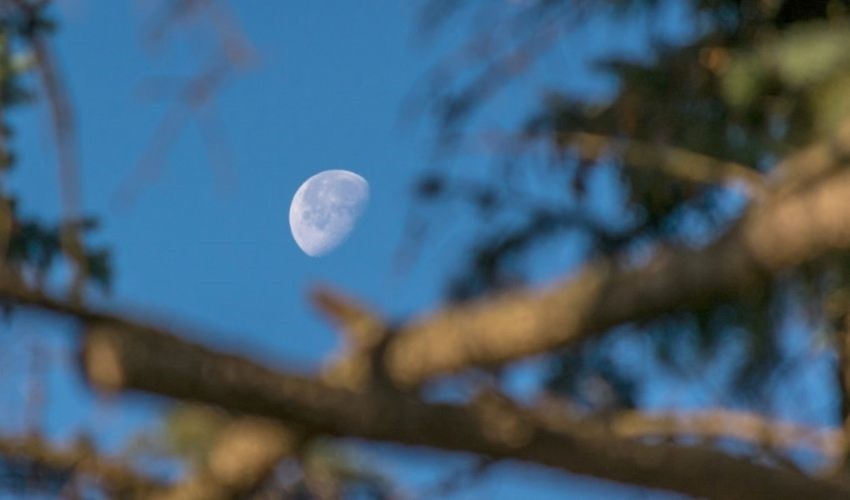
point(115, 359)
point(728, 424)
point(782, 232)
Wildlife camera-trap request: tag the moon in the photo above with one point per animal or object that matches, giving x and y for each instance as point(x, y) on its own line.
point(325, 209)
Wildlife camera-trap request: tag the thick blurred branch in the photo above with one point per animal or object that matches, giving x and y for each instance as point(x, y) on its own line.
point(116, 359)
point(121, 480)
point(130, 355)
point(783, 231)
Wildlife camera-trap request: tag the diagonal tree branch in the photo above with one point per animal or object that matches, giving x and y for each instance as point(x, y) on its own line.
point(135, 355)
point(116, 359)
point(785, 230)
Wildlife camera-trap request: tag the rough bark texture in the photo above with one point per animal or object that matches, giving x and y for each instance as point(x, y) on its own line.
point(165, 365)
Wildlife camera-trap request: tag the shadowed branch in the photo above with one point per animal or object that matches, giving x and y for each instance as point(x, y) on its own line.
point(116, 359)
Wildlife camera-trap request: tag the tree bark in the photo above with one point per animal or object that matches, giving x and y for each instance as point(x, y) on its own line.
point(116, 359)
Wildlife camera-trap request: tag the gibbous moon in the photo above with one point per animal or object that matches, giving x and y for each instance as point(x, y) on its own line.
point(325, 209)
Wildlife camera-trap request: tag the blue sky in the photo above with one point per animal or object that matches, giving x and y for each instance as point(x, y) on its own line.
point(327, 92)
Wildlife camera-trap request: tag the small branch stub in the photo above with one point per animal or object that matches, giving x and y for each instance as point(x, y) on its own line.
point(363, 334)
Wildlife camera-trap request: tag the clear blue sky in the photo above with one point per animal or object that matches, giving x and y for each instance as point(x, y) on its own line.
point(327, 93)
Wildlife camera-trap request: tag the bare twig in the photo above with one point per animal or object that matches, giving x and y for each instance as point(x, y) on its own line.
point(65, 137)
point(63, 128)
point(194, 98)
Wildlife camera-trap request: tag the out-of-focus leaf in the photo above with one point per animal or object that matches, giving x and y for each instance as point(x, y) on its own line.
point(743, 81)
point(831, 103)
point(809, 53)
point(187, 432)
